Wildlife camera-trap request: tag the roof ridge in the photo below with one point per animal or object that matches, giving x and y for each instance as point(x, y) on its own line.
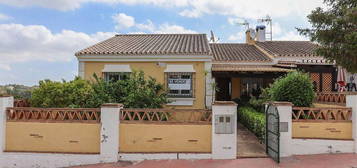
point(153, 34)
point(286, 41)
point(228, 43)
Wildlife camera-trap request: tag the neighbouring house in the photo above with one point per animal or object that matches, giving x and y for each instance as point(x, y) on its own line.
point(189, 66)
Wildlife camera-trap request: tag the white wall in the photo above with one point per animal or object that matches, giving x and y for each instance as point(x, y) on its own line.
point(42, 160)
point(224, 146)
point(317, 146)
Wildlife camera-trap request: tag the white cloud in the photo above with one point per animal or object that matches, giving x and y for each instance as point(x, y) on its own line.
point(65, 5)
point(62, 5)
point(251, 9)
point(277, 29)
point(149, 26)
point(190, 13)
point(168, 28)
point(5, 67)
point(235, 21)
point(123, 21)
point(4, 17)
point(292, 36)
point(37, 43)
point(240, 36)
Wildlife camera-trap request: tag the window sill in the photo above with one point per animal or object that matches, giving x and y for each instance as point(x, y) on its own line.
point(181, 101)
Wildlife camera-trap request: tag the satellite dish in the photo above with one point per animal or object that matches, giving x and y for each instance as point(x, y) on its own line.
point(252, 33)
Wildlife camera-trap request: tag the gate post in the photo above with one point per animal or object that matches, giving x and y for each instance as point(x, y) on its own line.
point(285, 117)
point(6, 101)
point(351, 101)
point(224, 130)
point(109, 133)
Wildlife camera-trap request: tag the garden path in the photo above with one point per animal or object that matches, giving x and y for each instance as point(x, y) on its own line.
point(248, 145)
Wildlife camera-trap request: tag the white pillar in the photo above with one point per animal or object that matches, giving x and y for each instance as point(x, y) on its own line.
point(81, 69)
point(224, 130)
point(351, 101)
point(209, 83)
point(285, 117)
point(4, 103)
point(109, 134)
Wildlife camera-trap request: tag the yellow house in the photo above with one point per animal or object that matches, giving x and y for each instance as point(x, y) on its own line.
point(182, 62)
point(196, 72)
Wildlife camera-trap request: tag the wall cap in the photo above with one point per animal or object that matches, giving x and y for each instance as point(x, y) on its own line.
point(351, 94)
point(112, 105)
point(5, 96)
point(224, 103)
point(280, 103)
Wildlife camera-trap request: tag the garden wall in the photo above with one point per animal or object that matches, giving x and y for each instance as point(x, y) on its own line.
point(52, 137)
point(323, 130)
point(164, 137)
point(305, 130)
point(63, 137)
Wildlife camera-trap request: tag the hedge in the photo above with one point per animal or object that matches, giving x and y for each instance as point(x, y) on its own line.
point(253, 120)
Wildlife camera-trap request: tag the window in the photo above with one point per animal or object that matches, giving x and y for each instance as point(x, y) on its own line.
point(180, 84)
point(115, 76)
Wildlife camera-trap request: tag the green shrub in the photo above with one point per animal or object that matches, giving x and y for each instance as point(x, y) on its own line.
point(295, 87)
point(253, 120)
point(134, 92)
point(74, 93)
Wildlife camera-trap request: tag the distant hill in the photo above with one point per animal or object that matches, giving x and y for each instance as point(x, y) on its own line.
point(18, 91)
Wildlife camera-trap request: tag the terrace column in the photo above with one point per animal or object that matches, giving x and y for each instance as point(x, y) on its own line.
point(109, 133)
point(351, 101)
point(224, 130)
point(285, 125)
point(4, 103)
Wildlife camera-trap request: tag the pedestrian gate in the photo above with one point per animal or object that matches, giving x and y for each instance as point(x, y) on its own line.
point(272, 133)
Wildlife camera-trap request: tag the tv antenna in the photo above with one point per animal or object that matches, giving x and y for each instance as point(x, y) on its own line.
point(213, 38)
point(245, 23)
point(269, 22)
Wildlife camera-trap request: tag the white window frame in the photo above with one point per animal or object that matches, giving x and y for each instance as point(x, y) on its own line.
point(121, 76)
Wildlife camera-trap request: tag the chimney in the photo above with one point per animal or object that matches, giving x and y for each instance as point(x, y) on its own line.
point(260, 33)
point(249, 36)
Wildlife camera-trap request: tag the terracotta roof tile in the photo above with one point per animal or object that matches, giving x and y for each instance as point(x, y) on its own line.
point(237, 52)
point(246, 68)
point(289, 48)
point(150, 44)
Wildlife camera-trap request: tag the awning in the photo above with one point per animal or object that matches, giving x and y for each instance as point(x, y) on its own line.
point(179, 68)
point(247, 68)
point(116, 68)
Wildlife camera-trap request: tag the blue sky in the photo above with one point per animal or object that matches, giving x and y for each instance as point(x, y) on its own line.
point(39, 37)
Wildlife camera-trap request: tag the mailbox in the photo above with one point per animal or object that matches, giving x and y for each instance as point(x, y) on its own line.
point(224, 124)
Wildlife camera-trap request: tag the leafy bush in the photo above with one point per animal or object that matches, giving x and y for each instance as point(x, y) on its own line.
point(74, 93)
point(134, 92)
point(253, 120)
point(295, 87)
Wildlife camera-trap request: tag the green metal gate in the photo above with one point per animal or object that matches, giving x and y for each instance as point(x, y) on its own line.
point(272, 133)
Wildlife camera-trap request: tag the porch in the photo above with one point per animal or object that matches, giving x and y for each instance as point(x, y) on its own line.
point(240, 81)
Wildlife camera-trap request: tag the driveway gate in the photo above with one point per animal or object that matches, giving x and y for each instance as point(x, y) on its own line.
point(272, 133)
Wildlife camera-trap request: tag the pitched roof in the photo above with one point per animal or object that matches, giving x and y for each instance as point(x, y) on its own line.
point(247, 68)
point(237, 52)
point(289, 48)
point(151, 44)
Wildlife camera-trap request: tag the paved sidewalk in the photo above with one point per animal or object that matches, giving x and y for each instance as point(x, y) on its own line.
point(306, 161)
point(248, 145)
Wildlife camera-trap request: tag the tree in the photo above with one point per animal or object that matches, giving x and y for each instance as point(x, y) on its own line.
point(335, 30)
